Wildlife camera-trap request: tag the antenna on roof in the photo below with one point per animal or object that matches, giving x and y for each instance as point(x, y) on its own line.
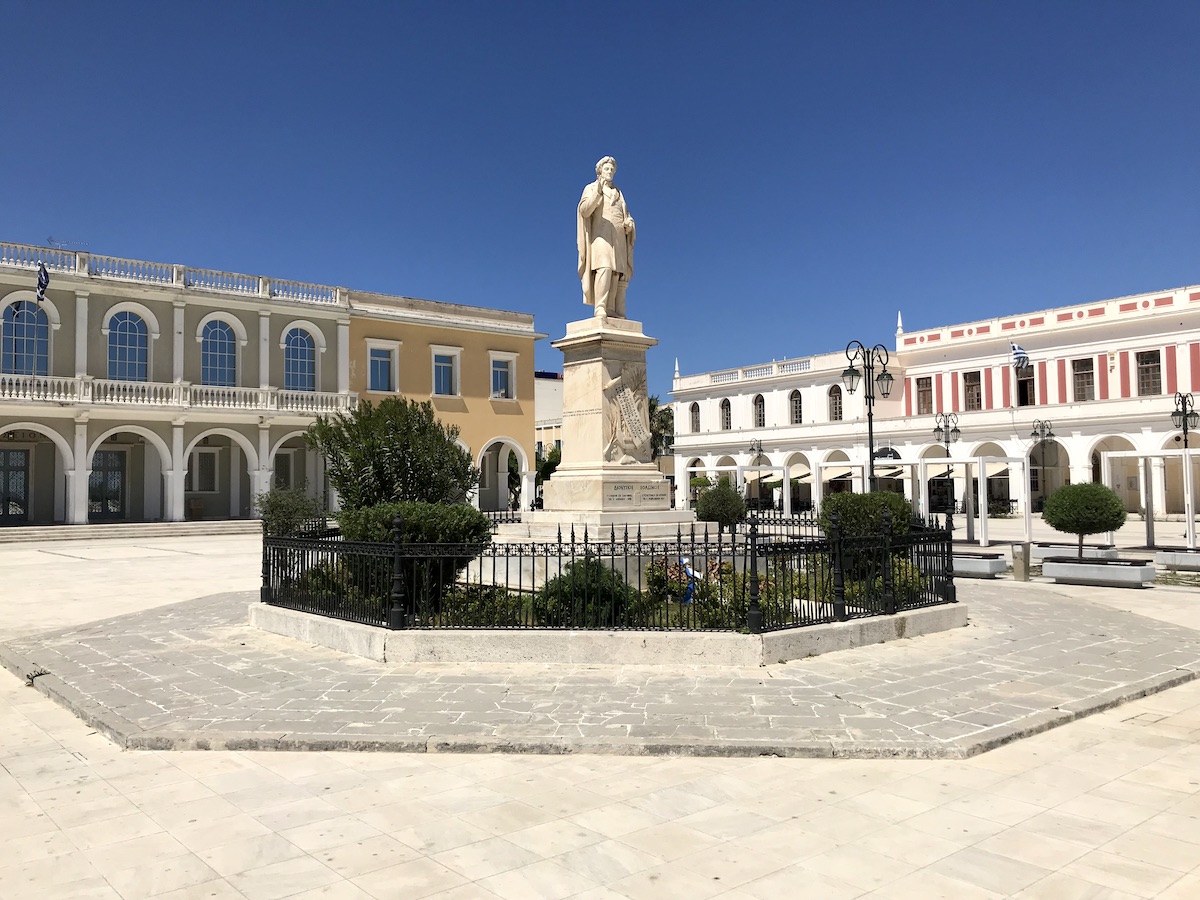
point(65, 245)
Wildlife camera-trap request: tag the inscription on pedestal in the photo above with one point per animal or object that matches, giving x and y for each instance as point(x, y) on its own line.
point(627, 495)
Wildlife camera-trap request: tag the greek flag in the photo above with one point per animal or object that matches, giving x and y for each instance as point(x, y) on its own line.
point(43, 282)
point(1019, 356)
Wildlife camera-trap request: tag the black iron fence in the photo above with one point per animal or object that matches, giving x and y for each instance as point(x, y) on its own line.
point(502, 516)
point(761, 577)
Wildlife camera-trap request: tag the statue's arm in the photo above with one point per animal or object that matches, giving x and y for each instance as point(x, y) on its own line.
point(590, 200)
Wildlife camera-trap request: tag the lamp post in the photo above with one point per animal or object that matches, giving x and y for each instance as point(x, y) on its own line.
point(855, 353)
point(946, 432)
point(755, 452)
point(946, 429)
point(1185, 416)
point(1042, 432)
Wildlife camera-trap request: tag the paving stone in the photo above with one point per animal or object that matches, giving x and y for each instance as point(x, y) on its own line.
point(1030, 658)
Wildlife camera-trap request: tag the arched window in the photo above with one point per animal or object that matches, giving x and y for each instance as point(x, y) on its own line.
point(128, 348)
point(695, 414)
point(26, 340)
point(218, 354)
point(835, 404)
point(796, 406)
point(299, 361)
point(760, 412)
point(726, 416)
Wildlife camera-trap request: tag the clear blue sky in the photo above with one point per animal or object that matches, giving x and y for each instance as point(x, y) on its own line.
point(798, 171)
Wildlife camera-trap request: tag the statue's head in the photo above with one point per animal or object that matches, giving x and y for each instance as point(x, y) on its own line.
point(608, 160)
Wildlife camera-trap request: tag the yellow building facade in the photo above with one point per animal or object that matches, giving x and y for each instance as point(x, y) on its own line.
point(144, 391)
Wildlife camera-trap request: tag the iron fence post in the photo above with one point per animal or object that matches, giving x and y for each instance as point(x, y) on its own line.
point(754, 617)
point(264, 592)
point(949, 592)
point(839, 578)
point(396, 613)
point(889, 593)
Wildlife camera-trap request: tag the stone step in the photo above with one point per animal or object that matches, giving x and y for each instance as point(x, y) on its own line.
point(28, 533)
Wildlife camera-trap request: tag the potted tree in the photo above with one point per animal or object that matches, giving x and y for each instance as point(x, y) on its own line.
point(1081, 510)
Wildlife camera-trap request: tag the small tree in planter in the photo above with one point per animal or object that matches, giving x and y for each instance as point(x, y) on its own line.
point(1084, 509)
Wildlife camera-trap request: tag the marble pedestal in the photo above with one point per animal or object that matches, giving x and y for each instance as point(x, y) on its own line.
point(605, 479)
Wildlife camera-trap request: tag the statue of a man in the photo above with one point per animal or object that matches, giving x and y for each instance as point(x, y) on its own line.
point(605, 236)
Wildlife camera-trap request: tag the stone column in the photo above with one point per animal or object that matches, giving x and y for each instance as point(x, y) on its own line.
point(264, 349)
point(343, 357)
point(264, 477)
point(1160, 485)
point(81, 333)
point(177, 343)
point(235, 480)
point(175, 478)
point(77, 480)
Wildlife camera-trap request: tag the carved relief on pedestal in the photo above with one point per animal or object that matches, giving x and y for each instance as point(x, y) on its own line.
point(626, 414)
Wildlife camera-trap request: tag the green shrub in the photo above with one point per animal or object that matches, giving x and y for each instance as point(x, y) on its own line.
point(285, 511)
point(721, 504)
point(396, 450)
point(424, 523)
point(333, 586)
point(999, 509)
point(482, 606)
point(425, 579)
point(1084, 509)
point(860, 515)
point(587, 594)
point(726, 599)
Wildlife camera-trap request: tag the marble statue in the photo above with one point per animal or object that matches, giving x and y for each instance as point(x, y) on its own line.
point(605, 234)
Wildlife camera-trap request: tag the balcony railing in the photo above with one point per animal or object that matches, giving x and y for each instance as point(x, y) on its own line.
point(173, 395)
point(113, 268)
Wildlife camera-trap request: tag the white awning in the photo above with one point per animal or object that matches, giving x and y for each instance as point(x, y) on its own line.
point(828, 473)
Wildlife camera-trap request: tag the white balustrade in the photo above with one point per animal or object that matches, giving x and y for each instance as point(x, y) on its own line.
point(723, 377)
point(761, 371)
point(23, 256)
point(141, 393)
point(38, 387)
point(222, 282)
point(130, 270)
point(796, 365)
point(115, 268)
point(211, 397)
point(313, 402)
point(302, 291)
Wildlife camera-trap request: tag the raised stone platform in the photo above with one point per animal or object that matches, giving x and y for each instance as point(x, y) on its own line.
point(632, 648)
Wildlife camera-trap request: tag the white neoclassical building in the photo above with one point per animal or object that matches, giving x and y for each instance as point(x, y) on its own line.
point(1102, 376)
point(144, 391)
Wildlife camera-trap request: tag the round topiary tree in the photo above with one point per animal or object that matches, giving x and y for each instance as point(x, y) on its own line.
point(721, 504)
point(1084, 509)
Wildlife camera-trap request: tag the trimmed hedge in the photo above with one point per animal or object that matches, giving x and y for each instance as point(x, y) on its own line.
point(424, 523)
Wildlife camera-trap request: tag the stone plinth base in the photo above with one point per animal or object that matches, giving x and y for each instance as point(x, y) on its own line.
point(547, 525)
point(626, 648)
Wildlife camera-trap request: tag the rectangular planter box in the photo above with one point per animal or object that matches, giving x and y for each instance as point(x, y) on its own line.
point(1179, 560)
point(1099, 572)
point(1094, 551)
point(979, 565)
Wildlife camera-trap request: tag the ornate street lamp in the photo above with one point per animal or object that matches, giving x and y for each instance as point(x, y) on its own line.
point(857, 353)
point(946, 429)
point(1041, 431)
point(1185, 416)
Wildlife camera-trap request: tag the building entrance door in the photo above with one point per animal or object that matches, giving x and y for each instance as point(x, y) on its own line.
point(106, 487)
point(14, 487)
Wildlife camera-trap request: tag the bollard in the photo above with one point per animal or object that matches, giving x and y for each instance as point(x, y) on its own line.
point(1020, 555)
